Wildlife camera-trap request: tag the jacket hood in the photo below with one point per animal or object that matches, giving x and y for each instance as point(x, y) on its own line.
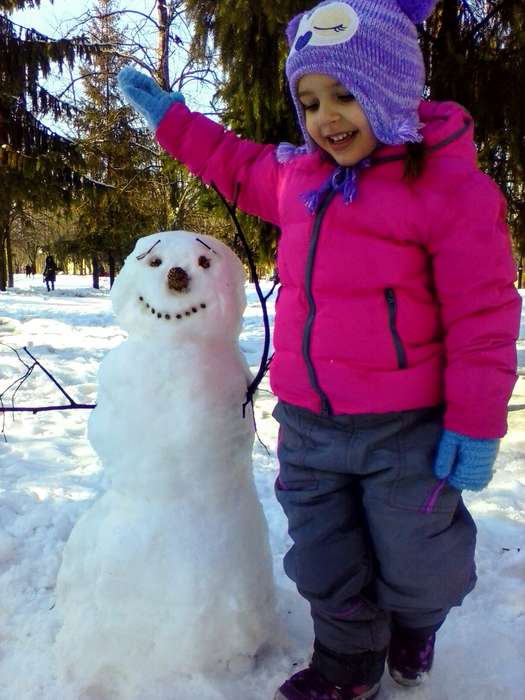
point(448, 128)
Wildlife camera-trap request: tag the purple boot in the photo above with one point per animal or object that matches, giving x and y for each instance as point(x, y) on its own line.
point(336, 676)
point(310, 685)
point(411, 654)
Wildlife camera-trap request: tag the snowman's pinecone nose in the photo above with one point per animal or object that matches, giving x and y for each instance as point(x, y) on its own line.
point(178, 279)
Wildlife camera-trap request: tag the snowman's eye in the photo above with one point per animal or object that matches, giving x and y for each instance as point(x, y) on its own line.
point(204, 262)
point(155, 262)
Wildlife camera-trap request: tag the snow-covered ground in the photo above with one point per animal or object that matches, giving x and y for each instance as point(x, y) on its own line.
point(49, 475)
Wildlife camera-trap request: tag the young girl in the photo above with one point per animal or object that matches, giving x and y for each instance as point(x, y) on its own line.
point(394, 335)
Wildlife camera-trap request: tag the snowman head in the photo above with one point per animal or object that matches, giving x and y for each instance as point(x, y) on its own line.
point(180, 285)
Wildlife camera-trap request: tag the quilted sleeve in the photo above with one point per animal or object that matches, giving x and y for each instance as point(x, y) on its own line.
point(474, 274)
point(220, 157)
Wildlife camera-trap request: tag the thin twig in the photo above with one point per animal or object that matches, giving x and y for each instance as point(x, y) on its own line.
point(44, 370)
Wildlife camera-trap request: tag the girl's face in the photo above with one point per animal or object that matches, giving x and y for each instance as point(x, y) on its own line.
point(334, 119)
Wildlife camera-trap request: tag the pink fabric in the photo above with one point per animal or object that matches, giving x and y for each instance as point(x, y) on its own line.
point(440, 243)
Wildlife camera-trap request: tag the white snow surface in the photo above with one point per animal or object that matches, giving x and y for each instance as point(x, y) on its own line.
point(50, 476)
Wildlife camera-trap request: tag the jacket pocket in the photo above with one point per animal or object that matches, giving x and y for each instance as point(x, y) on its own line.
point(391, 302)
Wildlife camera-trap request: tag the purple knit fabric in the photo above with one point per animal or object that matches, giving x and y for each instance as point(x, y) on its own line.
point(371, 47)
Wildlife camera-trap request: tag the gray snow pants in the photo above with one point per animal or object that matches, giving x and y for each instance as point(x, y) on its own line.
point(365, 552)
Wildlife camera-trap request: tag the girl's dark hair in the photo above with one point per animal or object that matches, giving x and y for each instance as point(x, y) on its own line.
point(415, 158)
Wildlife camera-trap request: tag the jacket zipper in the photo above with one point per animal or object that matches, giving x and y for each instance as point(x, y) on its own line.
point(326, 408)
point(391, 301)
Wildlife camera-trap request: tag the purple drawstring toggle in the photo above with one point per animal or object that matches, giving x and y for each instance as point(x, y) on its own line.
point(343, 179)
point(429, 504)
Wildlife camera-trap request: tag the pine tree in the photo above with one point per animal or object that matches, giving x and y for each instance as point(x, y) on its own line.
point(37, 164)
point(115, 153)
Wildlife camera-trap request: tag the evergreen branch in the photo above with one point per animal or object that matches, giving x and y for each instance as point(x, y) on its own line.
point(26, 35)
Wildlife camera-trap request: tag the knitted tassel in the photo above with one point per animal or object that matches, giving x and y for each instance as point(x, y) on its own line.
point(342, 180)
point(406, 131)
point(285, 152)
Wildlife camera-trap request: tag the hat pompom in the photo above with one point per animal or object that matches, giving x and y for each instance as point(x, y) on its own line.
point(292, 27)
point(417, 10)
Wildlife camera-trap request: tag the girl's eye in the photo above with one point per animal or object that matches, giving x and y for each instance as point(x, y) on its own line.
point(311, 107)
point(155, 262)
point(347, 98)
point(204, 262)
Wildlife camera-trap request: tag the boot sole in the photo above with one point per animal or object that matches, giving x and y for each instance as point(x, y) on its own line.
point(408, 682)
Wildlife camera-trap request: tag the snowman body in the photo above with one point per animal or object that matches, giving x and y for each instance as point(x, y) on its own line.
point(169, 571)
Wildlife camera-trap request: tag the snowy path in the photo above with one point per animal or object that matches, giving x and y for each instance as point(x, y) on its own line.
point(49, 475)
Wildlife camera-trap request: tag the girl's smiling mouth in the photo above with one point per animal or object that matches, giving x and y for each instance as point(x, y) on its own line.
point(342, 139)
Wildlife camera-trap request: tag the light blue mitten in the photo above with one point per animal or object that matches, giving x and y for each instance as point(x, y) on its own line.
point(143, 93)
point(466, 463)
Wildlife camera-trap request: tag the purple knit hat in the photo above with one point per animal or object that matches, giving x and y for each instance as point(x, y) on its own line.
point(371, 47)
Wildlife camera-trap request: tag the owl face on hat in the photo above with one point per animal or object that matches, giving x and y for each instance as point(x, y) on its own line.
point(371, 47)
point(328, 25)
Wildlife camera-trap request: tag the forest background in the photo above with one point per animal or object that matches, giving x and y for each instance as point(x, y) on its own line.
point(81, 177)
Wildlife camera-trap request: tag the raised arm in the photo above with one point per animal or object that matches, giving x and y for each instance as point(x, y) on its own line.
point(208, 150)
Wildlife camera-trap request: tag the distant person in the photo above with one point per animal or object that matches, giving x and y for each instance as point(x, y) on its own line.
point(29, 269)
point(50, 273)
point(33, 270)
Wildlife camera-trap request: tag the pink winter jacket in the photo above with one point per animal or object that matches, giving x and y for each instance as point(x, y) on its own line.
point(400, 300)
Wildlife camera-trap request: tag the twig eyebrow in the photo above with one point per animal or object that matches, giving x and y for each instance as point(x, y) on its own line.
point(338, 28)
point(206, 246)
point(139, 257)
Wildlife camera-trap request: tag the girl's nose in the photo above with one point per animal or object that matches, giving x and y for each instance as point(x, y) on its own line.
point(327, 114)
point(178, 279)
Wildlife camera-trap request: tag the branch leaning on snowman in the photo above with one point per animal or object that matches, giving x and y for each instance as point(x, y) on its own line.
point(265, 361)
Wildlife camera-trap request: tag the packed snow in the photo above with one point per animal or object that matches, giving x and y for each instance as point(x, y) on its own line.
point(51, 476)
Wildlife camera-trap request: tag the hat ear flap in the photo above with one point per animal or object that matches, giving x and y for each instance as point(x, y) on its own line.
point(291, 29)
point(417, 10)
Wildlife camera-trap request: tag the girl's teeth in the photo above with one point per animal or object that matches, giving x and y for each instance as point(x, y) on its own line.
point(340, 137)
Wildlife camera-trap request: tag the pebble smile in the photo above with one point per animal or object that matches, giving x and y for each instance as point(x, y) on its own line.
point(168, 316)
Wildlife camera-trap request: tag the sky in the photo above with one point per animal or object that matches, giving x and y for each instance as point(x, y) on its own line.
point(62, 16)
point(49, 16)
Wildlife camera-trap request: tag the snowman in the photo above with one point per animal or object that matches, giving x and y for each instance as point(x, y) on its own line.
point(169, 572)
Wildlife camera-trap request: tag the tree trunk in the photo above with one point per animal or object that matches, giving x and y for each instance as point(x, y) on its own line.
point(112, 269)
point(3, 262)
point(445, 72)
point(520, 273)
point(9, 258)
point(163, 45)
point(5, 207)
point(96, 272)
